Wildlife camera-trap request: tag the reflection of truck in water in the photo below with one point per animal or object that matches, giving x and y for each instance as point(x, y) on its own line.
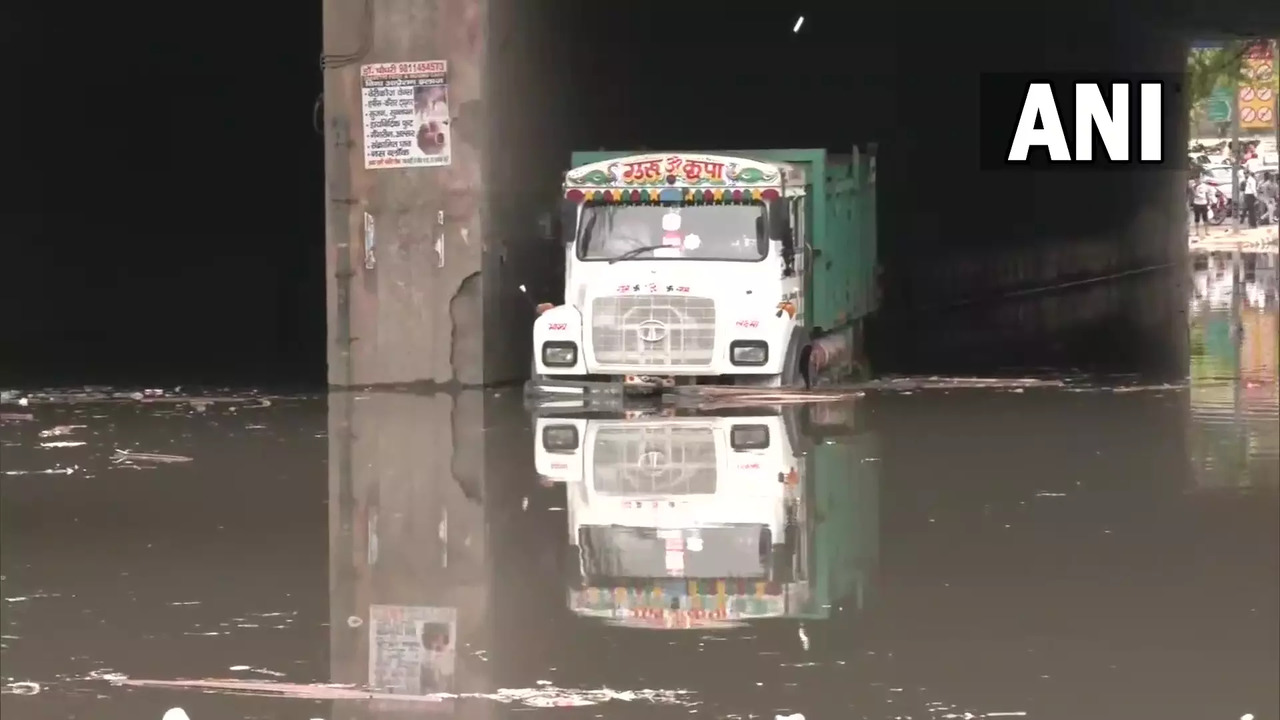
point(694, 519)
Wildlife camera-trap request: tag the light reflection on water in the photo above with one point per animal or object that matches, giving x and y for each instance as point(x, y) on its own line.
point(1235, 404)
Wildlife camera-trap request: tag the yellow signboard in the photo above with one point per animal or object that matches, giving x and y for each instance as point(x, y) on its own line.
point(1257, 103)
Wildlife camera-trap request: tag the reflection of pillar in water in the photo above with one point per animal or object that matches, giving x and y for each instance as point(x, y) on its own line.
point(408, 559)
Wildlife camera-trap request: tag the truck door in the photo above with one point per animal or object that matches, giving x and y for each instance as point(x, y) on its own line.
point(803, 259)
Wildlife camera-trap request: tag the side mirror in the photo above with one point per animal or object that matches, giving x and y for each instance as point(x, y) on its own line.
point(779, 221)
point(567, 222)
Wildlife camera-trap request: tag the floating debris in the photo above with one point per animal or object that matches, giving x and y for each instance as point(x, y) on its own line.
point(125, 456)
point(60, 430)
point(145, 396)
point(49, 471)
point(61, 444)
point(22, 688)
point(544, 696)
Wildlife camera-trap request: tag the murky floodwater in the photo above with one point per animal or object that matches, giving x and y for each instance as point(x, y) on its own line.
point(920, 551)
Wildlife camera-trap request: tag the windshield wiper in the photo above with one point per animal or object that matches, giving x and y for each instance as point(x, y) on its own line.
point(635, 251)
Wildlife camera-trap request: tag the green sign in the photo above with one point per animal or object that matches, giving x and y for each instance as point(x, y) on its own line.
point(1218, 111)
point(1218, 107)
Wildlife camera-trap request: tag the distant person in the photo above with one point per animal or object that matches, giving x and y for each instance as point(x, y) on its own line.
point(1250, 193)
point(1200, 195)
point(1268, 190)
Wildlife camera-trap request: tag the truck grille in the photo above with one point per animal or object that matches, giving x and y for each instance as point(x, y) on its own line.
point(653, 330)
point(655, 460)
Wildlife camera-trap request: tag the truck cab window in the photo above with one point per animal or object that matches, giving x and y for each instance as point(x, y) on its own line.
point(673, 232)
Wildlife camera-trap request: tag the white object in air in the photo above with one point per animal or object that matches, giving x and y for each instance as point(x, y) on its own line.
point(799, 22)
point(692, 242)
point(175, 714)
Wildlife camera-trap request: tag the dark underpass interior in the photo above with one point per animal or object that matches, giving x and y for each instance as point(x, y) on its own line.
point(219, 531)
point(183, 227)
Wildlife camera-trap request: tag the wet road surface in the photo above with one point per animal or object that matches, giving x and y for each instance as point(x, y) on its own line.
point(932, 553)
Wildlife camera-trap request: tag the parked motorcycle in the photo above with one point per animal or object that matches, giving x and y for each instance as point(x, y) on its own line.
point(1221, 209)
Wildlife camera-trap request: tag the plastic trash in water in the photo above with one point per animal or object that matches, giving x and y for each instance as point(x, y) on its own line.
point(175, 713)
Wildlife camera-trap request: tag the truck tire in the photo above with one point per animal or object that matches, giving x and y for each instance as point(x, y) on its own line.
point(797, 355)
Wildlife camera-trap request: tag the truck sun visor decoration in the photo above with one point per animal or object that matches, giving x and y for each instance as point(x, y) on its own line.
point(674, 178)
point(669, 195)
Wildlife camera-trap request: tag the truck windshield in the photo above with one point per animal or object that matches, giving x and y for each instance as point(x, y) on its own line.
point(651, 232)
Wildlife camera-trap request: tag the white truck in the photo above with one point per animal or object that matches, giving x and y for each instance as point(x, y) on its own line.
point(678, 521)
point(689, 267)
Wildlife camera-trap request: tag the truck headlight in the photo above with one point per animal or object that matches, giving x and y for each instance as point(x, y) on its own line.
point(749, 352)
point(560, 438)
point(559, 353)
point(749, 437)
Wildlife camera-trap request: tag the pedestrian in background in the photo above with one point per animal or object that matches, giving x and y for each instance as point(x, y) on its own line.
point(1200, 195)
point(1267, 194)
point(1251, 199)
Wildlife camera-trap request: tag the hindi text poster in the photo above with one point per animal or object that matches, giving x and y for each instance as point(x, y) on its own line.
point(406, 114)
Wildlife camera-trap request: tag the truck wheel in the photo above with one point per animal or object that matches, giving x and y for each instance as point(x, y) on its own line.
point(794, 369)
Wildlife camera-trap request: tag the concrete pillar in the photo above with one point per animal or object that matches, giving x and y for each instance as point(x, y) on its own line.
point(439, 303)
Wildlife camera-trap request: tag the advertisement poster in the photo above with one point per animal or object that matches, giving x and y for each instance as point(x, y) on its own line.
point(412, 649)
point(406, 114)
point(1258, 103)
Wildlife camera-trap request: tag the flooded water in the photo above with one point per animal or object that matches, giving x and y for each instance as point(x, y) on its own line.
point(919, 551)
point(1235, 338)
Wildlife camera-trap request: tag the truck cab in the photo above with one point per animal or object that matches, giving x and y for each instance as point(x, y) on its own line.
point(680, 268)
point(677, 521)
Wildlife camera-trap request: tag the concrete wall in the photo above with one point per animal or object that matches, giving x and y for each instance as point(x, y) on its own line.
point(454, 316)
point(1126, 324)
point(996, 232)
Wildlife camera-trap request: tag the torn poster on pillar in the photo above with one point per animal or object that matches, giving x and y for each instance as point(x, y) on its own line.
point(370, 262)
point(412, 648)
point(406, 114)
